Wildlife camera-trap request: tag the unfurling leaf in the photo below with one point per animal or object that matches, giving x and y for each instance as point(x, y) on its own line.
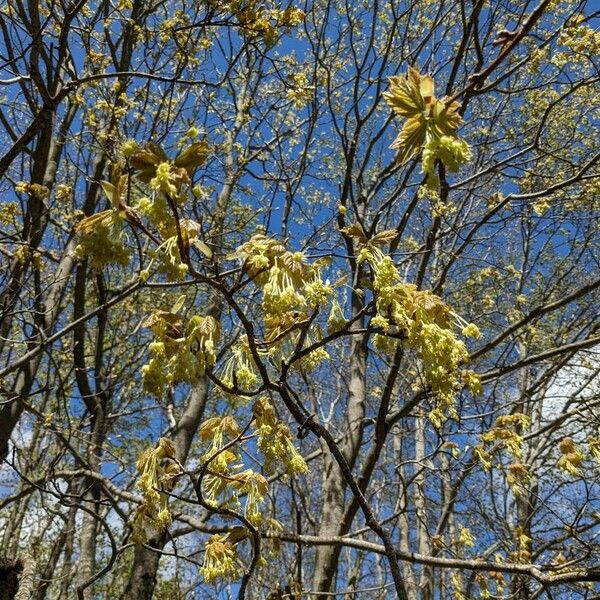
point(355, 231)
point(429, 120)
point(193, 157)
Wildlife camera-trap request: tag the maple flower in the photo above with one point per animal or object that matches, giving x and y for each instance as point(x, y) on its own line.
point(220, 560)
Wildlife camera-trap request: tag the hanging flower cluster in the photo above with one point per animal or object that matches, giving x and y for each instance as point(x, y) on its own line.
point(275, 441)
point(168, 256)
point(571, 457)
point(430, 125)
point(258, 21)
point(463, 540)
point(291, 288)
point(239, 372)
point(491, 585)
point(158, 469)
point(101, 235)
point(522, 552)
point(422, 321)
point(220, 559)
point(594, 446)
point(518, 477)
point(222, 463)
point(178, 353)
point(506, 435)
point(102, 240)
point(226, 481)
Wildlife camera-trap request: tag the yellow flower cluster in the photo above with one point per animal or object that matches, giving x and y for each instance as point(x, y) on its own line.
point(158, 469)
point(254, 487)
point(472, 381)
point(571, 457)
point(64, 192)
point(225, 482)
point(168, 255)
point(258, 21)
point(8, 213)
point(423, 322)
point(218, 430)
point(451, 150)
point(594, 446)
point(239, 371)
point(336, 320)
point(178, 353)
point(465, 538)
point(518, 477)
point(220, 560)
point(300, 91)
point(581, 39)
point(25, 254)
point(522, 553)
point(153, 166)
point(275, 441)
point(102, 239)
point(485, 579)
point(290, 288)
point(506, 435)
point(224, 479)
point(102, 235)
point(458, 589)
point(157, 211)
point(165, 179)
point(34, 190)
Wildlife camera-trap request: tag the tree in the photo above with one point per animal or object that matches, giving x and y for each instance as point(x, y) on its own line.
point(300, 299)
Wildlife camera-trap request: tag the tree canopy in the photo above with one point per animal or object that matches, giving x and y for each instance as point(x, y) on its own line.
point(299, 299)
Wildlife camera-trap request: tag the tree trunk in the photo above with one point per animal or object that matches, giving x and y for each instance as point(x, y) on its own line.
point(334, 486)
